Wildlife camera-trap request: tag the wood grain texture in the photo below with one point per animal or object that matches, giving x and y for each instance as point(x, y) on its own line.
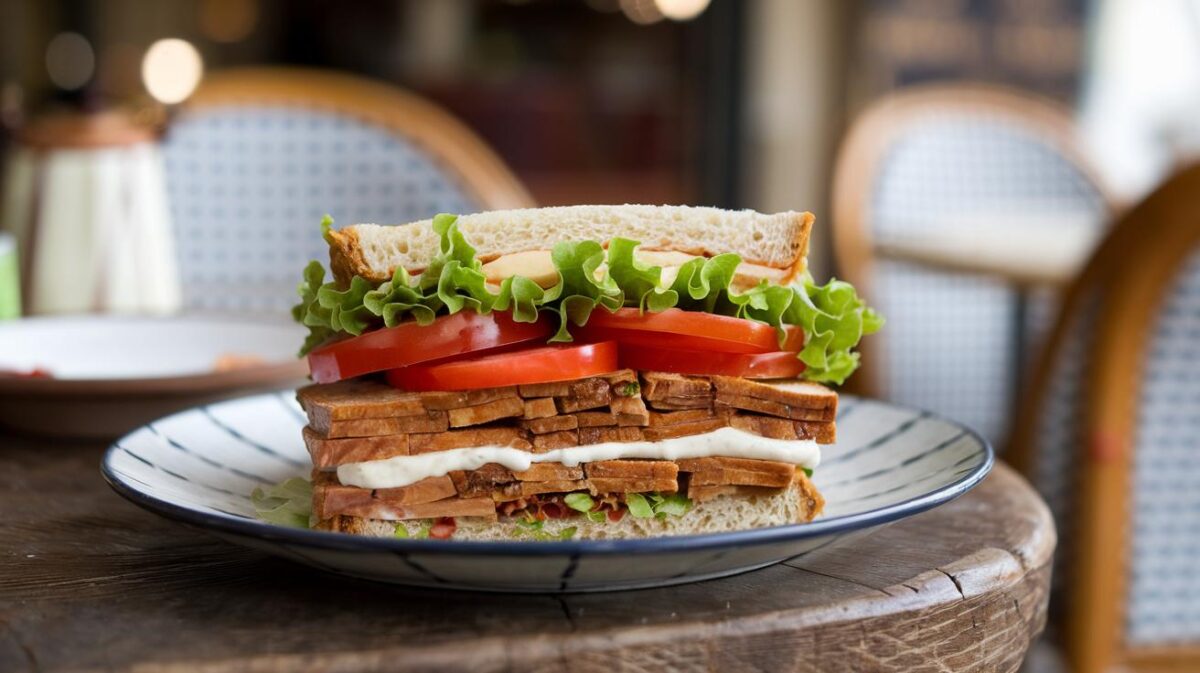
point(89, 582)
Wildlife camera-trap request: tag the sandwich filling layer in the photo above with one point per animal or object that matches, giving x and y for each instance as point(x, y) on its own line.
point(725, 442)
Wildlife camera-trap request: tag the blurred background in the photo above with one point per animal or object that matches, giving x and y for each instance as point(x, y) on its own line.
point(974, 166)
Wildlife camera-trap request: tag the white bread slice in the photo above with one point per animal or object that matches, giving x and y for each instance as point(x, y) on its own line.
point(778, 241)
point(749, 508)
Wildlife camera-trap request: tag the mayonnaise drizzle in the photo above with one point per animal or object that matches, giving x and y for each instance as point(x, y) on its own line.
point(728, 442)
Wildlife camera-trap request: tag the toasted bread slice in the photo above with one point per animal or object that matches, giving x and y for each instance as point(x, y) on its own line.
point(778, 241)
point(720, 510)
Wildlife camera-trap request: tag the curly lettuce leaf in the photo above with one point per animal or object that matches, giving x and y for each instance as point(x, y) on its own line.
point(286, 504)
point(832, 316)
point(834, 319)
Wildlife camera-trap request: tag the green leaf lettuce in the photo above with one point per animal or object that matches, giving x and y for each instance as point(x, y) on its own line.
point(590, 277)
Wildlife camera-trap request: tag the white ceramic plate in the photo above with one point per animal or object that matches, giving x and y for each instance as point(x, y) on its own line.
point(110, 374)
point(199, 467)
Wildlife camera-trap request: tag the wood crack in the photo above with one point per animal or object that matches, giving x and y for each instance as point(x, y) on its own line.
point(566, 610)
point(957, 585)
point(844, 579)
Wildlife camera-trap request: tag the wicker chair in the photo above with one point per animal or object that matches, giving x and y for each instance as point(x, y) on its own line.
point(1109, 431)
point(258, 156)
point(951, 154)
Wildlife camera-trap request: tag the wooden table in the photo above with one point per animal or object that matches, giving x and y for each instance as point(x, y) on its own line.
point(90, 582)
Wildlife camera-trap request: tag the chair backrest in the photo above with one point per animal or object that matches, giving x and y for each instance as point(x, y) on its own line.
point(1115, 403)
point(259, 155)
point(972, 156)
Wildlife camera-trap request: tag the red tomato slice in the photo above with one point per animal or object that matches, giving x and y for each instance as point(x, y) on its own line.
point(793, 339)
point(776, 365)
point(443, 528)
point(691, 330)
point(530, 365)
point(409, 343)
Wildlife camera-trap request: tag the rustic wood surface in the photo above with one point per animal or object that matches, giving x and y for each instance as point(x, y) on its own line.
point(91, 582)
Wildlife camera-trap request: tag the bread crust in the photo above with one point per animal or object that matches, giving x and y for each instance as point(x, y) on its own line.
point(347, 258)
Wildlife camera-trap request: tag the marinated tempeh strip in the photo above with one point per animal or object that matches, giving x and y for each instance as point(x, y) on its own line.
point(630, 411)
point(792, 393)
point(774, 408)
point(326, 404)
point(541, 426)
point(737, 471)
point(629, 469)
point(347, 400)
point(549, 472)
point(681, 403)
point(555, 440)
point(592, 419)
point(661, 385)
point(653, 434)
point(662, 418)
point(329, 453)
point(429, 422)
point(607, 485)
point(601, 435)
point(426, 490)
point(462, 439)
point(481, 482)
point(542, 407)
point(482, 413)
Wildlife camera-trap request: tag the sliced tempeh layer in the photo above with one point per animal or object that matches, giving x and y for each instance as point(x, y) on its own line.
point(461, 492)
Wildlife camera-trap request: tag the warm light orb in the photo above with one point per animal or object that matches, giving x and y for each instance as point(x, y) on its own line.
point(171, 70)
point(681, 10)
point(641, 12)
point(70, 61)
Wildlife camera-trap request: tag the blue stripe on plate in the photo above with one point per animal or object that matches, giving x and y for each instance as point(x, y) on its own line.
point(181, 478)
point(205, 459)
point(845, 409)
point(292, 410)
point(247, 441)
point(879, 441)
point(938, 448)
point(905, 485)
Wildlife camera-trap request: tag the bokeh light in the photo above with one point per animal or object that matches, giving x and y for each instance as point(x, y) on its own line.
point(227, 20)
point(70, 61)
point(681, 10)
point(171, 70)
point(641, 12)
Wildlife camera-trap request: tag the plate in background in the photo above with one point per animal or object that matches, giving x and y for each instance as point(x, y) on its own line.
point(110, 374)
point(200, 466)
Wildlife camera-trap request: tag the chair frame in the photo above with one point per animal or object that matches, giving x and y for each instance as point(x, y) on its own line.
point(448, 142)
point(1161, 228)
point(879, 127)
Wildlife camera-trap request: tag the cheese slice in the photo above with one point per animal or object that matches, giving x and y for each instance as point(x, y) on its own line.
point(538, 266)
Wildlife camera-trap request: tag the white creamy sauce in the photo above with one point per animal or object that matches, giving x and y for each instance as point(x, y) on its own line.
point(725, 442)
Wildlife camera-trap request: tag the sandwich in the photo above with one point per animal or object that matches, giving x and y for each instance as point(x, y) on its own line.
point(590, 372)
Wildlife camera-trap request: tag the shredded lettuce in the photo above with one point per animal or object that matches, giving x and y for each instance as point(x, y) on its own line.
point(832, 316)
point(286, 504)
point(532, 528)
point(673, 504)
point(639, 506)
point(580, 502)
